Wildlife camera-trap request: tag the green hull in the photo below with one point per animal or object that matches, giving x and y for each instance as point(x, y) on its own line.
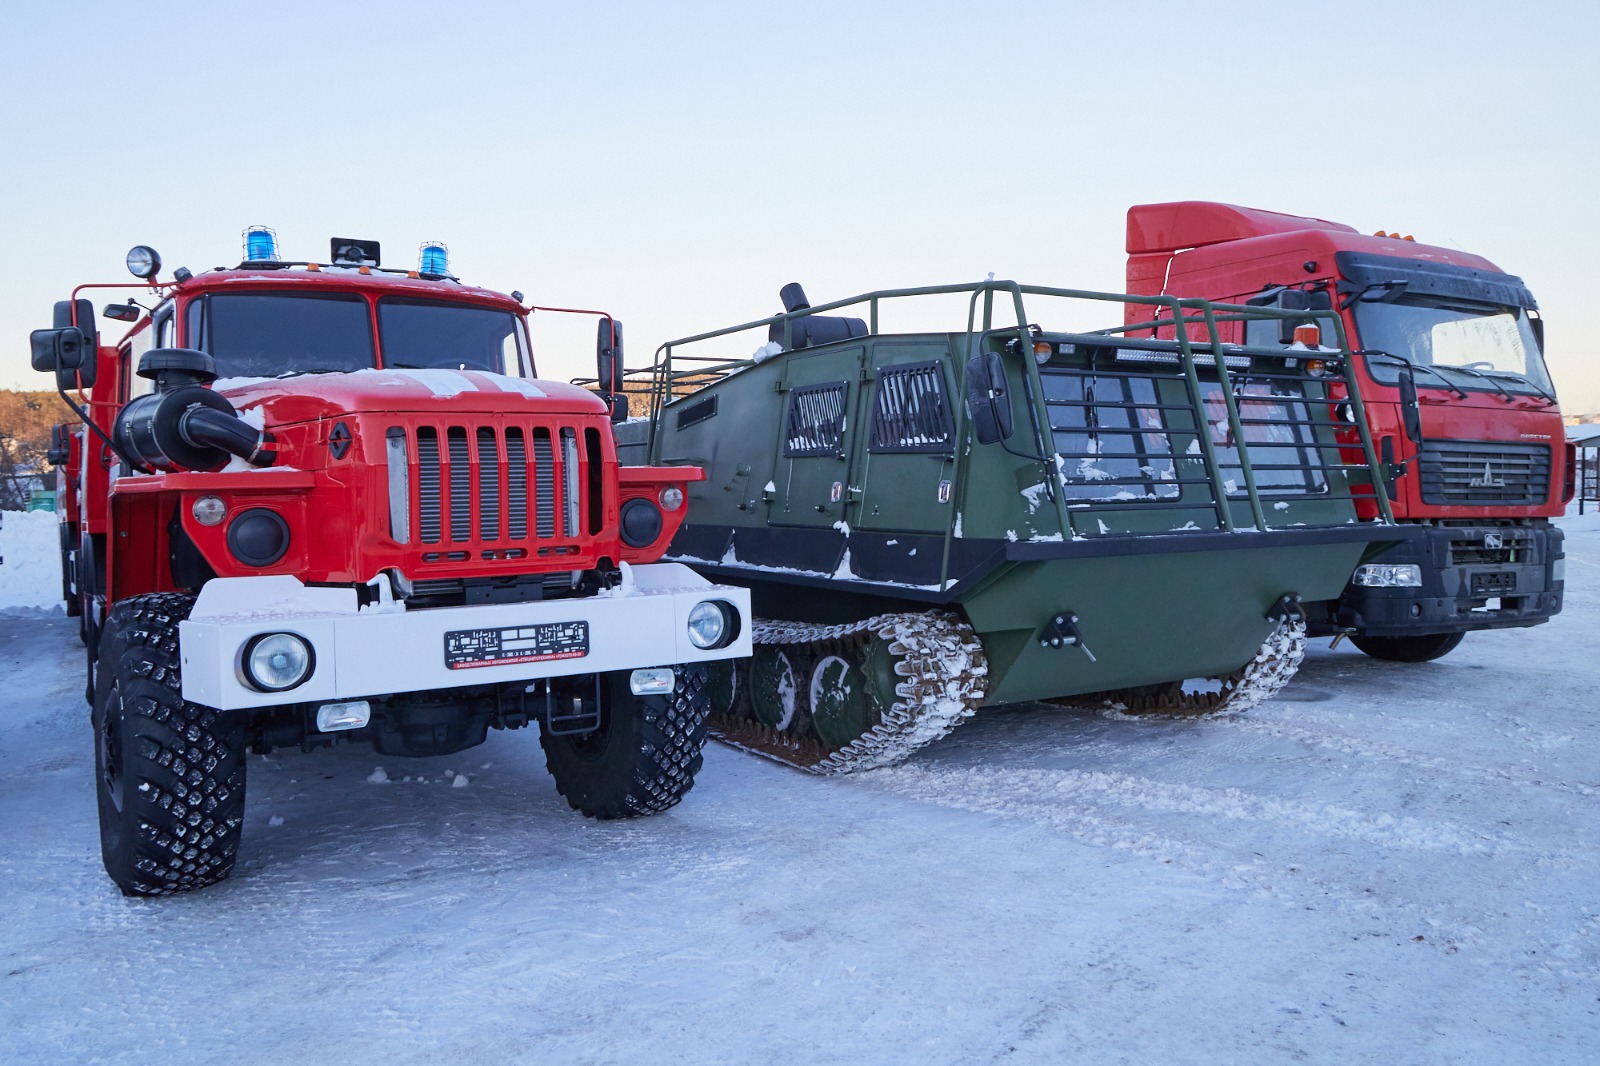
point(1146, 618)
point(1162, 503)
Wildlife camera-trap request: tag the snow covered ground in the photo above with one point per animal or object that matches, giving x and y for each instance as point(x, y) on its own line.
point(1395, 864)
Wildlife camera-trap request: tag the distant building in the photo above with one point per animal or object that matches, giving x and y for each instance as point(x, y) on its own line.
point(1587, 439)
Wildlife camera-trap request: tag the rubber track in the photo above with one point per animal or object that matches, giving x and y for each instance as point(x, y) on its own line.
point(945, 677)
point(1260, 679)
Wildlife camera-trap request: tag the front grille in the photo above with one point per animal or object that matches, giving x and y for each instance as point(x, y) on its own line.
point(1498, 548)
point(1484, 472)
point(474, 489)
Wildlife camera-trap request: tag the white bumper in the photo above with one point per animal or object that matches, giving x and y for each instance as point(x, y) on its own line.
point(386, 649)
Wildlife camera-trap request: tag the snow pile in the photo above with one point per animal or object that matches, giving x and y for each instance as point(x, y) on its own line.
point(30, 576)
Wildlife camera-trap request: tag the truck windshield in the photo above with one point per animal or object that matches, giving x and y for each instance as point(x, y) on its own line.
point(1463, 342)
point(434, 333)
point(267, 335)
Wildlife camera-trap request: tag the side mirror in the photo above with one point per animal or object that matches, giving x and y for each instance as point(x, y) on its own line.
point(60, 445)
point(1410, 411)
point(988, 398)
point(609, 367)
point(68, 350)
point(1300, 300)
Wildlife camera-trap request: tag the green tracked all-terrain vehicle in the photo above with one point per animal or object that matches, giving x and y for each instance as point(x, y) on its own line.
point(932, 522)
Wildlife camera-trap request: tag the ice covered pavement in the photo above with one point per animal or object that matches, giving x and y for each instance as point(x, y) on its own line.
point(1386, 864)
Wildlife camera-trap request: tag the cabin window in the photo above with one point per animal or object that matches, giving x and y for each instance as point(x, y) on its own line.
point(1109, 430)
point(910, 412)
point(815, 423)
point(1279, 433)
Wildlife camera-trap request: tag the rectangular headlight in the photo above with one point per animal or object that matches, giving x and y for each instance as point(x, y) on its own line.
point(332, 717)
point(657, 681)
point(1388, 575)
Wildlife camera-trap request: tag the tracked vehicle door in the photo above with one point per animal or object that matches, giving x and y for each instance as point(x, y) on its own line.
point(811, 474)
point(905, 465)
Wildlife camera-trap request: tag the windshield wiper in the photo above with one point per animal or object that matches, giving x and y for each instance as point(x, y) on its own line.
point(1403, 361)
point(1547, 397)
point(1501, 389)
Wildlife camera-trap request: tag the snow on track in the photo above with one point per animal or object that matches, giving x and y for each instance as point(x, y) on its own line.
point(1386, 863)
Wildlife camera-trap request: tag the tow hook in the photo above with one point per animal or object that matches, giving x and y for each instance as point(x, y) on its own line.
point(1062, 632)
point(1287, 606)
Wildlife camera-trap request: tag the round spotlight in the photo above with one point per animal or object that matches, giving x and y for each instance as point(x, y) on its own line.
point(641, 523)
point(671, 497)
point(713, 624)
point(274, 662)
point(143, 262)
point(258, 537)
point(209, 510)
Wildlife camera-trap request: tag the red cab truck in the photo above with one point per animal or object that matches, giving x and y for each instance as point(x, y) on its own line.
point(313, 502)
point(1451, 370)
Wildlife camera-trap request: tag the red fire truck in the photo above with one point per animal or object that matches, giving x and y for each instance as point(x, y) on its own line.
point(1453, 378)
point(313, 502)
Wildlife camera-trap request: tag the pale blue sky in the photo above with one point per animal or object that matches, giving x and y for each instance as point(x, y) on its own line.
point(676, 164)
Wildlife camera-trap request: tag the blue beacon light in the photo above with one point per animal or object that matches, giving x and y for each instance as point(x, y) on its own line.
point(260, 245)
point(435, 258)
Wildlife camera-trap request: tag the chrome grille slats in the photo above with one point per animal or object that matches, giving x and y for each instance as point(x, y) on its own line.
point(544, 483)
point(516, 484)
point(428, 482)
point(473, 486)
point(460, 485)
point(489, 492)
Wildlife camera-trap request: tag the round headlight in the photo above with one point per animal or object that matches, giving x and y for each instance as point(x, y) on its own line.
point(671, 497)
point(712, 624)
point(258, 537)
point(641, 523)
point(209, 510)
point(143, 262)
point(274, 662)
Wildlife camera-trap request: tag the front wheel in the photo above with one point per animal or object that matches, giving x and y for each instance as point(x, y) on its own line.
point(169, 773)
point(1422, 648)
point(643, 757)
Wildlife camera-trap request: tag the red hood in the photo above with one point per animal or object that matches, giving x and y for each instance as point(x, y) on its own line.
point(305, 397)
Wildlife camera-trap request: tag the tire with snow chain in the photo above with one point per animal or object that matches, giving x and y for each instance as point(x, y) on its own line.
point(169, 774)
point(643, 757)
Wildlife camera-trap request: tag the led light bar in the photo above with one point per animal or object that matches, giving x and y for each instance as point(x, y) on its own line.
point(1130, 355)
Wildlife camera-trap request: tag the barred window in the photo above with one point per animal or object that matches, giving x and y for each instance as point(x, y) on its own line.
point(910, 412)
point(1111, 435)
point(816, 421)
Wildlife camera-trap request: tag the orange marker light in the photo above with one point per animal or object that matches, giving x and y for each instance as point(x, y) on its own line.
point(1308, 335)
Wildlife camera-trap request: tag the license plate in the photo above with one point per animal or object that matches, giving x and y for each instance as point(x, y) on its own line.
point(467, 649)
point(1494, 583)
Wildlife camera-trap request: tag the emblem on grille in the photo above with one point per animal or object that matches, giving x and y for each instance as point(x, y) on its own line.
point(1492, 540)
point(339, 440)
point(1488, 480)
